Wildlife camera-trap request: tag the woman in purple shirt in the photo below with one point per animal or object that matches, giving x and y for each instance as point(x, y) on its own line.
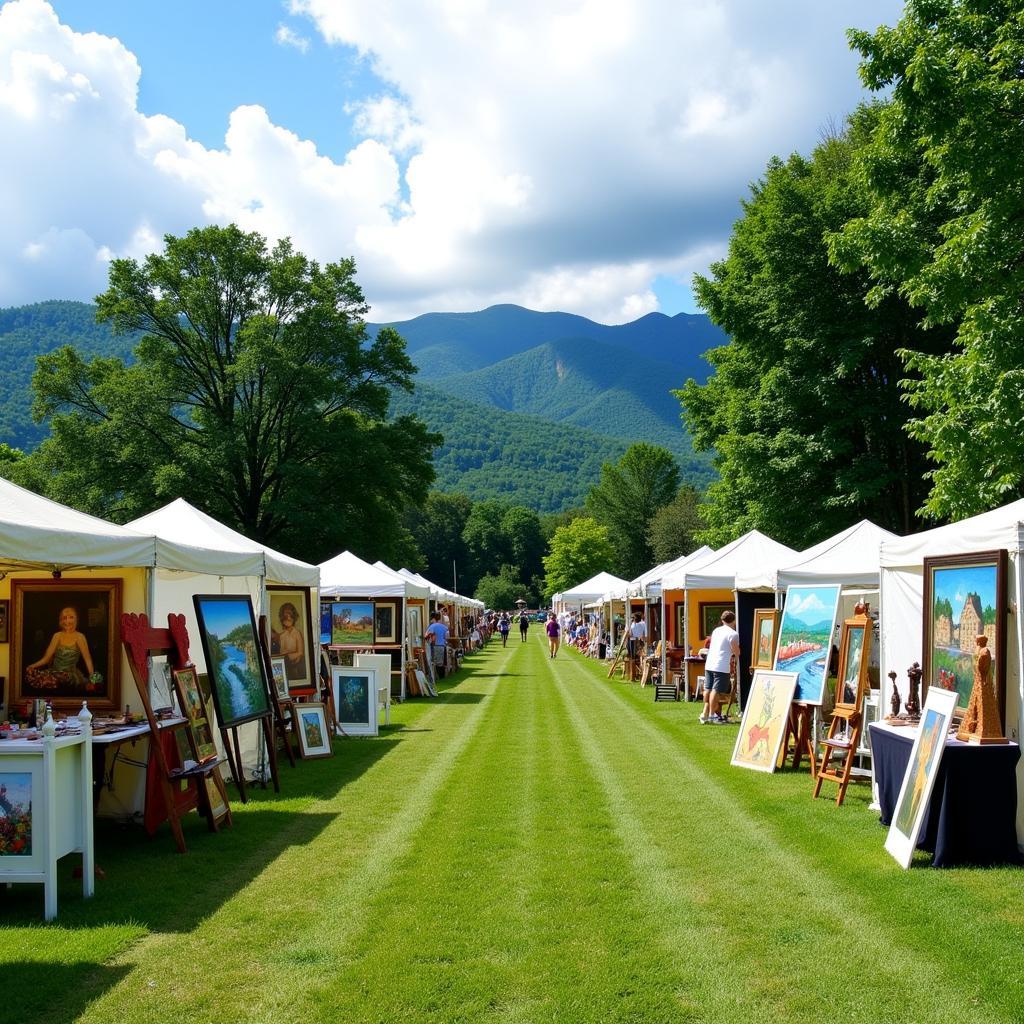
point(552, 630)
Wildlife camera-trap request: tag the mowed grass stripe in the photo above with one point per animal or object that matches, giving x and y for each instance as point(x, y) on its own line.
point(292, 923)
point(771, 916)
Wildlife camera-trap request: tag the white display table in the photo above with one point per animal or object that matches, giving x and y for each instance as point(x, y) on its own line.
point(46, 808)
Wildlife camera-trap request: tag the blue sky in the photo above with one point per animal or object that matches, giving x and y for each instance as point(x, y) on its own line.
point(955, 584)
point(579, 155)
point(221, 617)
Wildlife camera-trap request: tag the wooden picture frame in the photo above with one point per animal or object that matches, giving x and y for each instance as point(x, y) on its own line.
point(385, 622)
point(279, 676)
point(355, 699)
point(969, 587)
point(854, 653)
point(37, 606)
point(709, 615)
point(679, 618)
point(764, 721)
point(234, 660)
point(193, 708)
point(922, 769)
point(310, 724)
point(5, 621)
point(765, 638)
point(294, 641)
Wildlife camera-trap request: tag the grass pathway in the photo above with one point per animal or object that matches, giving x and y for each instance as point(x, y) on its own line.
point(539, 844)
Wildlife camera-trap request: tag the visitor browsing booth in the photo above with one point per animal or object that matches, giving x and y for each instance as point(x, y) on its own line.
point(967, 578)
point(591, 591)
point(365, 607)
point(233, 564)
point(709, 587)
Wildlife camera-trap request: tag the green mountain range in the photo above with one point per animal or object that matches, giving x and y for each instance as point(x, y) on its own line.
point(530, 404)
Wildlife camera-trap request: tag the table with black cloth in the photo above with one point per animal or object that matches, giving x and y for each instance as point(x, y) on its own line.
point(972, 814)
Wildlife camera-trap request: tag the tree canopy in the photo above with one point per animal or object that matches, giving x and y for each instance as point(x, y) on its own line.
point(254, 393)
point(629, 494)
point(944, 230)
point(579, 550)
point(674, 530)
point(804, 413)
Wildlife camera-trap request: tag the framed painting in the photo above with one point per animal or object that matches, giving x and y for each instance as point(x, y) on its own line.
point(193, 708)
point(5, 614)
point(355, 699)
point(385, 622)
point(227, 628)
point(16, 821)
point(854, 649)
point(764, 720)
point(279, 675)
point(710, 616)
point(964, 597)
point(325, 623)
point(352, 623)
point(922, 769)
point(766, 633)
point(680, 623)
point(311, 729)
point(291, 633)
point(414, 624)
point(805, 639)
point(66, 643)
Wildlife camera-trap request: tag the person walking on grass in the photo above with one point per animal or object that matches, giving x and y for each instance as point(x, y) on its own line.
point(723, 648)
point(552, 629)
point(524, 625)
point(504, 625)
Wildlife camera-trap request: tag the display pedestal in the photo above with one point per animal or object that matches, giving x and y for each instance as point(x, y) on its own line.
point(46, 795)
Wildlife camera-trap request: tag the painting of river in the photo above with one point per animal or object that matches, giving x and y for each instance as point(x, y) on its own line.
point(228, 629)
point(805, 639)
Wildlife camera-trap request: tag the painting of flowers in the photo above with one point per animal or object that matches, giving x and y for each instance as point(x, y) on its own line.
point(15, 814)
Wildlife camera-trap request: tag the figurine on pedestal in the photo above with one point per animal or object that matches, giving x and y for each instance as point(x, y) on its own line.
point(913, 704)
point(894, 700)
point(981, 723)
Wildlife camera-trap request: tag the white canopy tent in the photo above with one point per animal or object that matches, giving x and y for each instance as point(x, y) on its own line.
point(590, 590)
point(754, 556)
point(902, 600)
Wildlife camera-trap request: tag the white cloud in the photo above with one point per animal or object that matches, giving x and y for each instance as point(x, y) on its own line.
point(286, 36)
point(558, 154)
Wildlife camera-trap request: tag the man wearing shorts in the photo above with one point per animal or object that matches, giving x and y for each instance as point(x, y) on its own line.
point(724, 646)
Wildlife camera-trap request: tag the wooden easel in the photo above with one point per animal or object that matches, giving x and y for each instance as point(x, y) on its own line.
point(618, 657)
point(800, 729)
point(844, 733)
point(141, 641)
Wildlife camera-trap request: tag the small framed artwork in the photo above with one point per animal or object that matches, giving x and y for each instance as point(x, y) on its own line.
point(66, 643)
point(291, 633)
point(279, 673)
point(805, 638)
point(16, 822)
point(355, 699)
point(5, 612)
point(193, 707)
point(964, 598)
point(766, 633)
point(385, 622)
point(680, 623)
point(854, 649)
point(711, 616)
point(352, 623)
point(311, 728)
point(764, 721)
point(922, 769)
point(227, 628)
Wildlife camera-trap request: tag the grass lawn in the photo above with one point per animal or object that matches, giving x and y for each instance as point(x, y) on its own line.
point(538, 844)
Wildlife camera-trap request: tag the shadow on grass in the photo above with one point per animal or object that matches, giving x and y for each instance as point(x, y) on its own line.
point(32, 985)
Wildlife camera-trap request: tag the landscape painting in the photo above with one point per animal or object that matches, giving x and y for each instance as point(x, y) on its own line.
point(805, 639)
point(227, 627)
point(352, 623)
point(964, 597)
point(15, 814)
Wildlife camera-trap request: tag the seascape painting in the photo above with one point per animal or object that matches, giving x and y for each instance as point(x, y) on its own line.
point(805, 639)
point(228, 630)
point(352, 623)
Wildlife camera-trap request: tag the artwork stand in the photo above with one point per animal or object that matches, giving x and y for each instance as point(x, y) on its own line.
point(141, 641)
point(800, 730)
point(619, 656)
point(981, 723)
point(279, 706)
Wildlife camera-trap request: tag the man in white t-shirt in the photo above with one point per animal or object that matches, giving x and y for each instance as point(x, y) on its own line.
point(724, 646)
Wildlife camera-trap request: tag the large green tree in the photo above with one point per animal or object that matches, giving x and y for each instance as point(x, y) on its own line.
point(676, 526)
point(255, 393)
point(626, 499)
point(578, 551)
point(436, 527)
point(945, 229)
point(804, 412)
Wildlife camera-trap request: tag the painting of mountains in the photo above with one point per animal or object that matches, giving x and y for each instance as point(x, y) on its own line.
point(530, 404)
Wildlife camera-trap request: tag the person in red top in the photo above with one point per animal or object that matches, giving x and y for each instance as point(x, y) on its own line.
point(552, 631)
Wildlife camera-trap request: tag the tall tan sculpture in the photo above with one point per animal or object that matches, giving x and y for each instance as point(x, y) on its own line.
point(981, 723)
